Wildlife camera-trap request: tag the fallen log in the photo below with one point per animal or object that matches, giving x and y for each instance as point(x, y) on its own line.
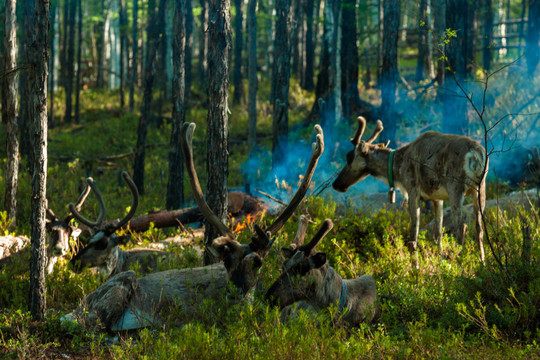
point(240, 204)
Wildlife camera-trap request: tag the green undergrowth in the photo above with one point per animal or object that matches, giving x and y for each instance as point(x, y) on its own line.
point(452, 307)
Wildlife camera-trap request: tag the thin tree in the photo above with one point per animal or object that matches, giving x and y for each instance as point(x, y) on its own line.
point(309, 69)
point(219, 47)
point(175, 186)
point(133, 55)
point(188, 49)
point(488, 34)
point(350, 61)
point(280, 82)
point(252, 73)
point(99, 29)
point(9, 113)
point(161, 68)
point(70, 55)
point(333, 109)
point(38, 59)
point(533, 36)
point(389, 68)
point(149, 75)
point(53, 30)
point(422, 42)
point(123, 45)
point(439, 27)
point(25, 89)
point(203, 42)
point(238, 94)
point(79, 56)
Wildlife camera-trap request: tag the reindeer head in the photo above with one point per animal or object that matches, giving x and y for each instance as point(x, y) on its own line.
point(104, 240)
point(243, 261)
point(60, 230)
point(302, 276)
point(357, 167)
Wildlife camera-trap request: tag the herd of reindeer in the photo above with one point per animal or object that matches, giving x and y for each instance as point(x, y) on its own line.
point(435, 167)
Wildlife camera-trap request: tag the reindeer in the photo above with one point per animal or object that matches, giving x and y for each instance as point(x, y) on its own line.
point(125, 302)
point(59, 231)
point(307, 277)
point(103, 251)
point(434, 167)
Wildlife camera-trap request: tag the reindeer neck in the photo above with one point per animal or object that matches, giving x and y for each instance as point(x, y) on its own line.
point(383, 164)
point(331, 289)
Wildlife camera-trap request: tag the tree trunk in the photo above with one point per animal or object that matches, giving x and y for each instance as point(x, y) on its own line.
point(53, 31)
point(422, 42)
point(149, 75)
point(295, 36)
point(332, 112)
point(349, 59)
point(239, 94)
point(533, 36)
point(9, 113)
point(439, 26)
point(203, 42)
point(133, 55)
point(219, 34)
point(69, 74)
point(488, 34)
point(252, 74)
point(188, 50)
point(26, 92)
point(309, 85)
point(99, 29)
point(79, 54)
point(161, 71)
point(64, 47)
point(175, 186)
point(389, 69)
point(280, 83)
point(455, 108)
point(123, 45)
point(38, 57)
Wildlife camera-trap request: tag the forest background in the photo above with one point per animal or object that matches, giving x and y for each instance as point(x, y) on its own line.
point(120, 77)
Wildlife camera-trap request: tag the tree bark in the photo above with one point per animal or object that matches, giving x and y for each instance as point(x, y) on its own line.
point(133, 55)
point(38, 58)
point(422, 42)
point(349, 59)
point(9, 115)
point(25, 90)
point(238, 94)
point(389, 69)
point(203, 42)
point(161, 71)
point(69, 73)
point(219, 36)
point(175, 186)
point(53, 30)
point(439, 26)
point(123, 46)
point(296, 25)
point(280, 83)
point(188, 50)
point(99, 30)
point(252, 74)
point(332, 113)
point(149, 75)
point(79, 56)
point(309, 74)
point(533, 36)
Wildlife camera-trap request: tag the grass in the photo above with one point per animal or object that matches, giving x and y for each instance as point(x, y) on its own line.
point(452, 307)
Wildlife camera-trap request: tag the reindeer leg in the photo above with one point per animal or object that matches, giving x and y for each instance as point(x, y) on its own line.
point(459, 226)
point(478, 206)
point(414, 214)
point(438, 221)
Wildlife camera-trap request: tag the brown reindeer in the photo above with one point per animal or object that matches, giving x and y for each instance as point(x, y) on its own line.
point(435, 167)
point(103, 251)
point(125, 302)
point(307, 277)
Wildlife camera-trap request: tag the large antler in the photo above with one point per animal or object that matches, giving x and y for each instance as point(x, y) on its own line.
point(134, 202)
point(317, 150)
point(186, 141)
point(326, 226)
point(359, 132)
point(76, 208)
point(378, 129)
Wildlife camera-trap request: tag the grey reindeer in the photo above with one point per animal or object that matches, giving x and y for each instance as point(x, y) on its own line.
point(307, 278)
point(103, 251)
point(435, 166)
point(125, 302)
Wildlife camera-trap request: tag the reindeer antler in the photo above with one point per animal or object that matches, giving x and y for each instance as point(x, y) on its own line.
point(186, 141)
point(326, 226)
point(317, 150)
point(102, 209)
point(359, 132)
point(378, 129)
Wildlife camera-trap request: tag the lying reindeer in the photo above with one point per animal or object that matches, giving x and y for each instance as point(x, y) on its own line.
point(434, 167)
point(307, 277)
point(59, 231)
point(103, 251)
point(125, 302)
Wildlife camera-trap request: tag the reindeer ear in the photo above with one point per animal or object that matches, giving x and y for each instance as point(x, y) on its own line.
point(318, 260)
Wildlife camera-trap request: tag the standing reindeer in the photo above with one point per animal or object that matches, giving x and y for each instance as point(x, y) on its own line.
point(308, 277)
point(125, 302)
point(103, 251)
point(433, 167)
